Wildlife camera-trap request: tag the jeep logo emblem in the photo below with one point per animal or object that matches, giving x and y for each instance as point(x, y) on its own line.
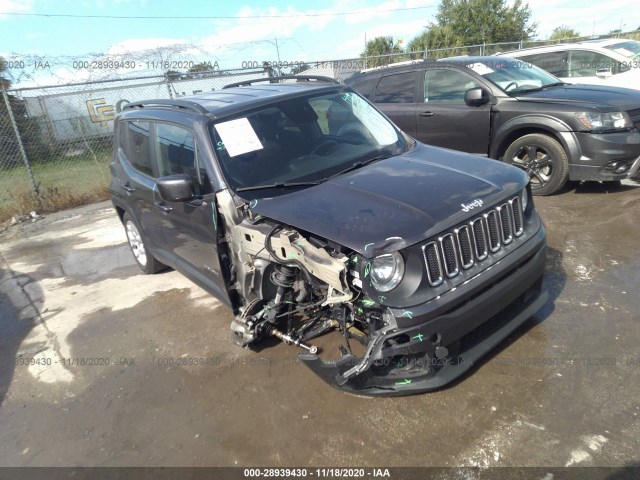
point(470, 206)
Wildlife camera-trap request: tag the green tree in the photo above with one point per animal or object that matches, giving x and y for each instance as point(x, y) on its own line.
point(299, 68)
point(438, 41)
point(381, 46)
point(173, 74)
point(201, 67)
point(563, 32)
point(486, 21)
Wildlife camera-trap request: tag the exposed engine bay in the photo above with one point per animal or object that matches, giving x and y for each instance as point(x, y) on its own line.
point(297, 288)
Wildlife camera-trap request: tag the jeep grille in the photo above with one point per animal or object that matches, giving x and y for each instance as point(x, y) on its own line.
point(473, 242)
point(635, 117)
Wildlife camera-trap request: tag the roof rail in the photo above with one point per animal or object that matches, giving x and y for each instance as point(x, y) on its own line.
point(397, 64)
point(305, 78)
point(186, 104)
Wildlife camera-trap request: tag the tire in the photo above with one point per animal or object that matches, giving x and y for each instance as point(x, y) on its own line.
point(147, 262)
point(549, 171)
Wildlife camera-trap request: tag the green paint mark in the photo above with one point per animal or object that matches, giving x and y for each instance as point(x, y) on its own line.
point(214, 216)
point(406, 381)
point(354, 259)
point(382, 298)
point(292, 255)
point(367, 303)
point(399, 364)
point(360, 310)
point(367, 269)
point(420, 336)
point(407, 313)
point(368, 245)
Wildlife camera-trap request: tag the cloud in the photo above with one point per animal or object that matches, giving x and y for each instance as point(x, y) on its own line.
point(134, 45)
point(248, 29)
point(15, 6)
point(404, 30)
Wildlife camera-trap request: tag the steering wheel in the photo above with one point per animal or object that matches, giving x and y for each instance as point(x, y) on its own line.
point(506, 89)
point(355, 129)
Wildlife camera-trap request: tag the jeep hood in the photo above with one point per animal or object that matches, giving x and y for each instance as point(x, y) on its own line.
point(396, 202)
point(595, 96)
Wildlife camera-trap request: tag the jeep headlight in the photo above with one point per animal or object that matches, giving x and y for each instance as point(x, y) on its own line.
point(387, 271)
point(605, 122)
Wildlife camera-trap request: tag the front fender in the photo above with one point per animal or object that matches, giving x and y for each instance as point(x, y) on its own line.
point(540, 123)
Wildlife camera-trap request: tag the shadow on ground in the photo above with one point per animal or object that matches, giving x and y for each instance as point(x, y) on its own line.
point(15, 325)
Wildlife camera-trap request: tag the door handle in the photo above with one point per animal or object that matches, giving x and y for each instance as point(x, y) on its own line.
point(426, 114)
point(163, 207)
point(128, 188)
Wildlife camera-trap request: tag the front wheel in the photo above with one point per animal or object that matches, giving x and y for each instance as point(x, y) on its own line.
point(144, 259)
point(544, 160)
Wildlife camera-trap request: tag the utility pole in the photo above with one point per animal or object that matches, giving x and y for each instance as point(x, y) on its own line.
point(365, 49)
point(278, 53)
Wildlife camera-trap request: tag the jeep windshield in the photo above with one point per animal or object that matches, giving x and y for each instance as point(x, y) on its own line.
point(301, 141)
point(513, 76)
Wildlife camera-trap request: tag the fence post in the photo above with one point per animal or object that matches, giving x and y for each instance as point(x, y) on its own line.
point(23, 153)
point(168, 78)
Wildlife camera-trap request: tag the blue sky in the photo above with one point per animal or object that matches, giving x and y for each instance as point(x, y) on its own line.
point(251, 35)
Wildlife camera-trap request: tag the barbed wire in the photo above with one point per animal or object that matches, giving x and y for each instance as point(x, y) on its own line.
point(218, 17)
point(32, 69)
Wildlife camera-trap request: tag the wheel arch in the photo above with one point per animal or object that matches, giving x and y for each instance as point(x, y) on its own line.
point(120, 211)
point(542, 124)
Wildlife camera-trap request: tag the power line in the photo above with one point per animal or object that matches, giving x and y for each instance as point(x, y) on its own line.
point(232, 17)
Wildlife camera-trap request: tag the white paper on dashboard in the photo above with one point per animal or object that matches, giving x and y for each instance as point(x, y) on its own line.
point(238, 136)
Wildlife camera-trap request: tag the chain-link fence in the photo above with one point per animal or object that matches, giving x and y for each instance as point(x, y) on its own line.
point(56, 141)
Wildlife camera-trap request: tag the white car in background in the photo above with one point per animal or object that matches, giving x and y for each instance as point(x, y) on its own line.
point(613, 61)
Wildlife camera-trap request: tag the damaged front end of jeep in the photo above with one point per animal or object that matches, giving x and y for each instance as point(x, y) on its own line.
point(340, 308)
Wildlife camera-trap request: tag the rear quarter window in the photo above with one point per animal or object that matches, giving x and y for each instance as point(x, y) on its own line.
point(398, 88)
point(365, 86)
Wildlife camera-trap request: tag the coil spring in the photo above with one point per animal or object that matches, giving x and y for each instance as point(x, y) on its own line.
point(283, 276)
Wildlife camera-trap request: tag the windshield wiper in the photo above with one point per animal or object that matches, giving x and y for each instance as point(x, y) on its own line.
point(359, 164)
point(556, 84)
point(277, 185)
point(525, 90)
point(536, 89)
point(353, 166)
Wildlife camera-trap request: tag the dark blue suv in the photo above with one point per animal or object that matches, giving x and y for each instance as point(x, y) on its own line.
point(410, 260)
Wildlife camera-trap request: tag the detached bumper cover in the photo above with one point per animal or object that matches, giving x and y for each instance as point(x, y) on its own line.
point(432, 353)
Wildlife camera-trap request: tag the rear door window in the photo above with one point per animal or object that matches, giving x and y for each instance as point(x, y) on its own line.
point(585, 64)
point(553, 62)
point(135, 141)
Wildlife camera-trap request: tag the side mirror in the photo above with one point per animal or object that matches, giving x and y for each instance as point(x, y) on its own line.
point(476, 96)
point(176, 188)
point(603, 72)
